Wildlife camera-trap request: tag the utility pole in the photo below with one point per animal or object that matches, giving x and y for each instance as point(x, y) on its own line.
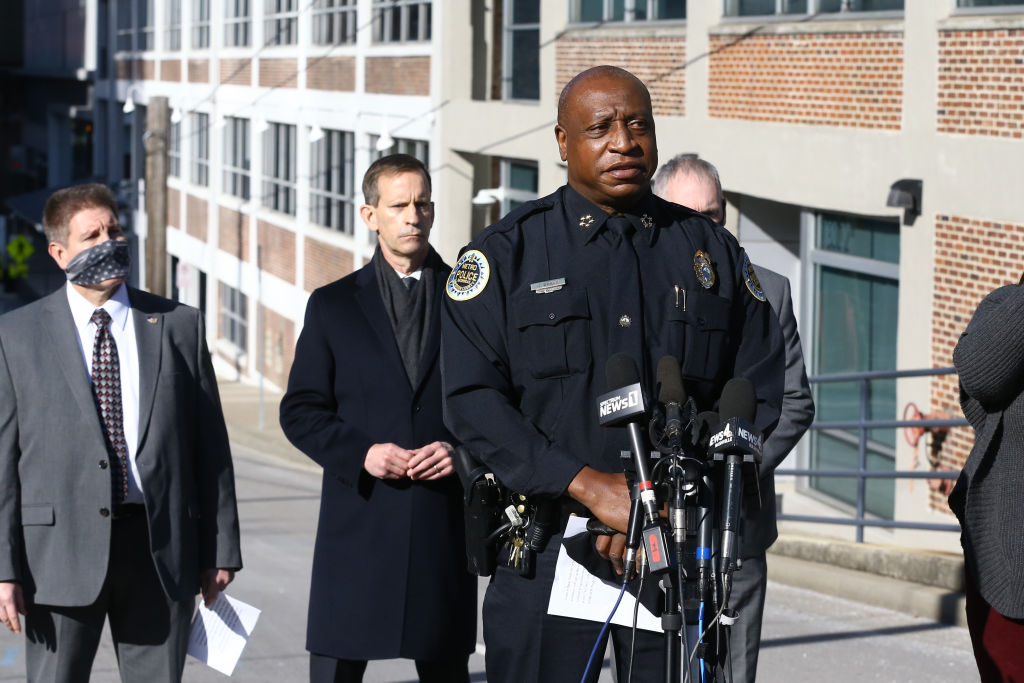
point(158, 125)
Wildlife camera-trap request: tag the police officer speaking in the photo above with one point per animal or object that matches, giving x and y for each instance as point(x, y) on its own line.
point(534, 308)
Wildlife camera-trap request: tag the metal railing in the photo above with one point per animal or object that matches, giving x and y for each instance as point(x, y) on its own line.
point(862, 473)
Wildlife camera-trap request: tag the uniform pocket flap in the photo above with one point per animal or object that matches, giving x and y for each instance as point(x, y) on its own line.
point(40, 514)
point(530, 308)
point(704, 311)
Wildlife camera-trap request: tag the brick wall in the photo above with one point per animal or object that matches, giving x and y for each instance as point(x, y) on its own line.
point(331, 73)
point(972, 257)
point(324, 264)
point(233, 233)
point(278, 346)
point(195, 217)
point(198, 71)
point(278, 250)
point(279, 73)
point(829, 79)
point(398, 75)
point(236, 72)
point(170, 70)
point(123, 69)
point(981, 82)
point(146, 69)
point(174, 207)
point(656, 60)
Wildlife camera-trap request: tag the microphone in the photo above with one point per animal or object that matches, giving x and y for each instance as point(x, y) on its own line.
point(672, 394)
point(624, 406)
point(735, 442)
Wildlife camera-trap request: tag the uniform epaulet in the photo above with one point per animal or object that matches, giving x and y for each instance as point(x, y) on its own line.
point(517, 216)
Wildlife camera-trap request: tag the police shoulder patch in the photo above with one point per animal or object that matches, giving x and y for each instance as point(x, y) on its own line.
point(469, 277)
point(750, 277)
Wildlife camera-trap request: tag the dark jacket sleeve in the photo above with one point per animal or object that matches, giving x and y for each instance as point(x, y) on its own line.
point(309, 410)
point(990, 354)
point(481, 399)
point(219, 533)
point(797, 403)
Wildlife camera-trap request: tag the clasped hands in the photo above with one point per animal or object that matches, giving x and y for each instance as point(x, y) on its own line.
point(389, 461)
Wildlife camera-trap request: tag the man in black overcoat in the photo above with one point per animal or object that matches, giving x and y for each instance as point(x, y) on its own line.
point(364, 402)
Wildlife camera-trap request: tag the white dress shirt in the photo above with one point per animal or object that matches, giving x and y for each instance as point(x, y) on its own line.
point(123, 329)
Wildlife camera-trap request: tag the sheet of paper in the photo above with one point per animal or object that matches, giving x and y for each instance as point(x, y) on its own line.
point(579, 594)
point(219, 634)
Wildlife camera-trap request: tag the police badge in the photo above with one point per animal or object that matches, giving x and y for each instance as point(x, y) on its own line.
point(705, 272)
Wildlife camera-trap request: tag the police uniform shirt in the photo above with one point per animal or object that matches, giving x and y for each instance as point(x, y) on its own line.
point(541, 299)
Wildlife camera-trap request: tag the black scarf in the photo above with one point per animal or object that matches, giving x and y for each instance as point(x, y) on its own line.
point(408, 311)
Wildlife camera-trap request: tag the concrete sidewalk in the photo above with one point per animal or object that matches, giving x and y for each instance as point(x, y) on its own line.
point(920, 583)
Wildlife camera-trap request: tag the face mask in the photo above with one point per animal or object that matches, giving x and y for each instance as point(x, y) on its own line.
point(106, 260)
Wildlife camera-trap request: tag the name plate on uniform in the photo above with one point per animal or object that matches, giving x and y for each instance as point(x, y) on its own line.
point(548, 286)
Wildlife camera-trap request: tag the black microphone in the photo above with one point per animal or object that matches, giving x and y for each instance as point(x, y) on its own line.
point(672, 395)
point(736, 442)
point(624, 406)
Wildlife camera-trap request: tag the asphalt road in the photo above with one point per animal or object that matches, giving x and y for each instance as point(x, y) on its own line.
point(807, 636)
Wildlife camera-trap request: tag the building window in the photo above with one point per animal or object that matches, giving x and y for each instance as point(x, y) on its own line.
point(334, 22)
point(200, 24)
point(145, 21)
point(173, 33)
point(124, 26)
point(281, 22)
point(417, 148)
point(233, 315)
point(174, 151)
point(279, 168)
point(856, 290)
point(988, 3)
point(397, 21)
point(748, 8)
point(521, 61)
point(627, 10)
point(332, 181)
point(236, 23)
point(519, 182)
point(236, 157)
point(200, 148)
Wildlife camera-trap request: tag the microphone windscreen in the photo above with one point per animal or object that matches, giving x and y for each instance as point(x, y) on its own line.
point(620, 369)
point(670, 381)
point(738, 400)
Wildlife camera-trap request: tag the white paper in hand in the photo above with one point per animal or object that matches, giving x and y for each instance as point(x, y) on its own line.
point(219, 634)
point(579, 594)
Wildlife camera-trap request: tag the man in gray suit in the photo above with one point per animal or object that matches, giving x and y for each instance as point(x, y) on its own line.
point(693, 182)
point(117, 494)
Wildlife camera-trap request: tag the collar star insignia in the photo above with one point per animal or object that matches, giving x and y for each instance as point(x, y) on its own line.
point(646, 221)
point(586, 221)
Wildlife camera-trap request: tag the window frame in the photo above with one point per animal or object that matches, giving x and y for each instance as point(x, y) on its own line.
point(337, 18)
point(172, 30)
point(810, 11)
point(201, 25)
point(383, 28)
point(508, 60)
point(200, 135)
point(278, 14)
point(237, 23)
point(174, 150)
point(332, 181)
point(237, 149)
point(608, 13)
point(280, 180)
point(234, 317)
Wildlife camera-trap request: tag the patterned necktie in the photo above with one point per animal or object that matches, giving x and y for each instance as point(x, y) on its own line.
point(409, 282)
point(106, 388)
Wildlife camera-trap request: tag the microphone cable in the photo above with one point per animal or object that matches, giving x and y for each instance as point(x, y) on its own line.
point(632, 640)
point(601, 634)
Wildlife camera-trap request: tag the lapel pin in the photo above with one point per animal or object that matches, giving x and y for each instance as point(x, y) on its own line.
point(151, 320)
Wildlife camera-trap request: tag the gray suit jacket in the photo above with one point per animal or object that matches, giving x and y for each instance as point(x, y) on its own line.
point(55, 495)
point(759, 530)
